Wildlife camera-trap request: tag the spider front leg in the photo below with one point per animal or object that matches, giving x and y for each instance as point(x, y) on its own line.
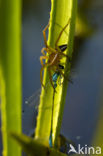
point(42, 51)
point(44, 35)
point(43, 58)
point(56, 43)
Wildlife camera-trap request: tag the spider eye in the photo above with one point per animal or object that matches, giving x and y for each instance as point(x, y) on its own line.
point(63, 47)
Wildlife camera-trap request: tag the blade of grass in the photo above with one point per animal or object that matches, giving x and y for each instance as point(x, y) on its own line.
point(10, 73)
point(35, 147)
point(61, 12)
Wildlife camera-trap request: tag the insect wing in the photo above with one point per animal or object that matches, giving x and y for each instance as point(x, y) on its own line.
point(34, 99)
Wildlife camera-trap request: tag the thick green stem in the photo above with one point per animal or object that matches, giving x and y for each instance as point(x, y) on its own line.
point(61, 12)
point(10, 73)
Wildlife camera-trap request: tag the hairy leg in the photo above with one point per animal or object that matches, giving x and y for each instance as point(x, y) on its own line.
point(42, 51)
point(44, 35)
point(66, 56)
point(43, 58)
point(50, 77)
point(56, 44)
point(66, 78)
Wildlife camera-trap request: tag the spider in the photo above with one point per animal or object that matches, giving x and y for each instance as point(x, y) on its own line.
point(54, 56)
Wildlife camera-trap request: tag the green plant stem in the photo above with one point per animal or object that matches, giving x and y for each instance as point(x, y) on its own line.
point(34, 147)
point(10, 73)
point(61, 12)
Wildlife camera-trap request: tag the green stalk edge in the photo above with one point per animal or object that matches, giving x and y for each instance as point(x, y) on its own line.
point(61, 12)
point(10, 74)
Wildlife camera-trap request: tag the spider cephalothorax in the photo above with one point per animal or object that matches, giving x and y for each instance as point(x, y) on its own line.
point(54, 56)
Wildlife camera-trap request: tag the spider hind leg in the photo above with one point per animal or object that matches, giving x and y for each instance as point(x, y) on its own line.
point(50, 77)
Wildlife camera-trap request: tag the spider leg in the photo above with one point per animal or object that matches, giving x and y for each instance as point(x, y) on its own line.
point(44, 35)
point(41, 76)
point(66, 56)
point(43, 58)
point(46, 50)
point(56, 44)
point(65, 76)
point(50, 77)
point(42, 51)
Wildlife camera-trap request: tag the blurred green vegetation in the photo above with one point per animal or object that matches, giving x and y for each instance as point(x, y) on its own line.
point(10, 73)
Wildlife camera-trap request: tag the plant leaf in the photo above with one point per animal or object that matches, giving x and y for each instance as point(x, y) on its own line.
point(10, 73)
point(35, 147)
point(61, 12)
